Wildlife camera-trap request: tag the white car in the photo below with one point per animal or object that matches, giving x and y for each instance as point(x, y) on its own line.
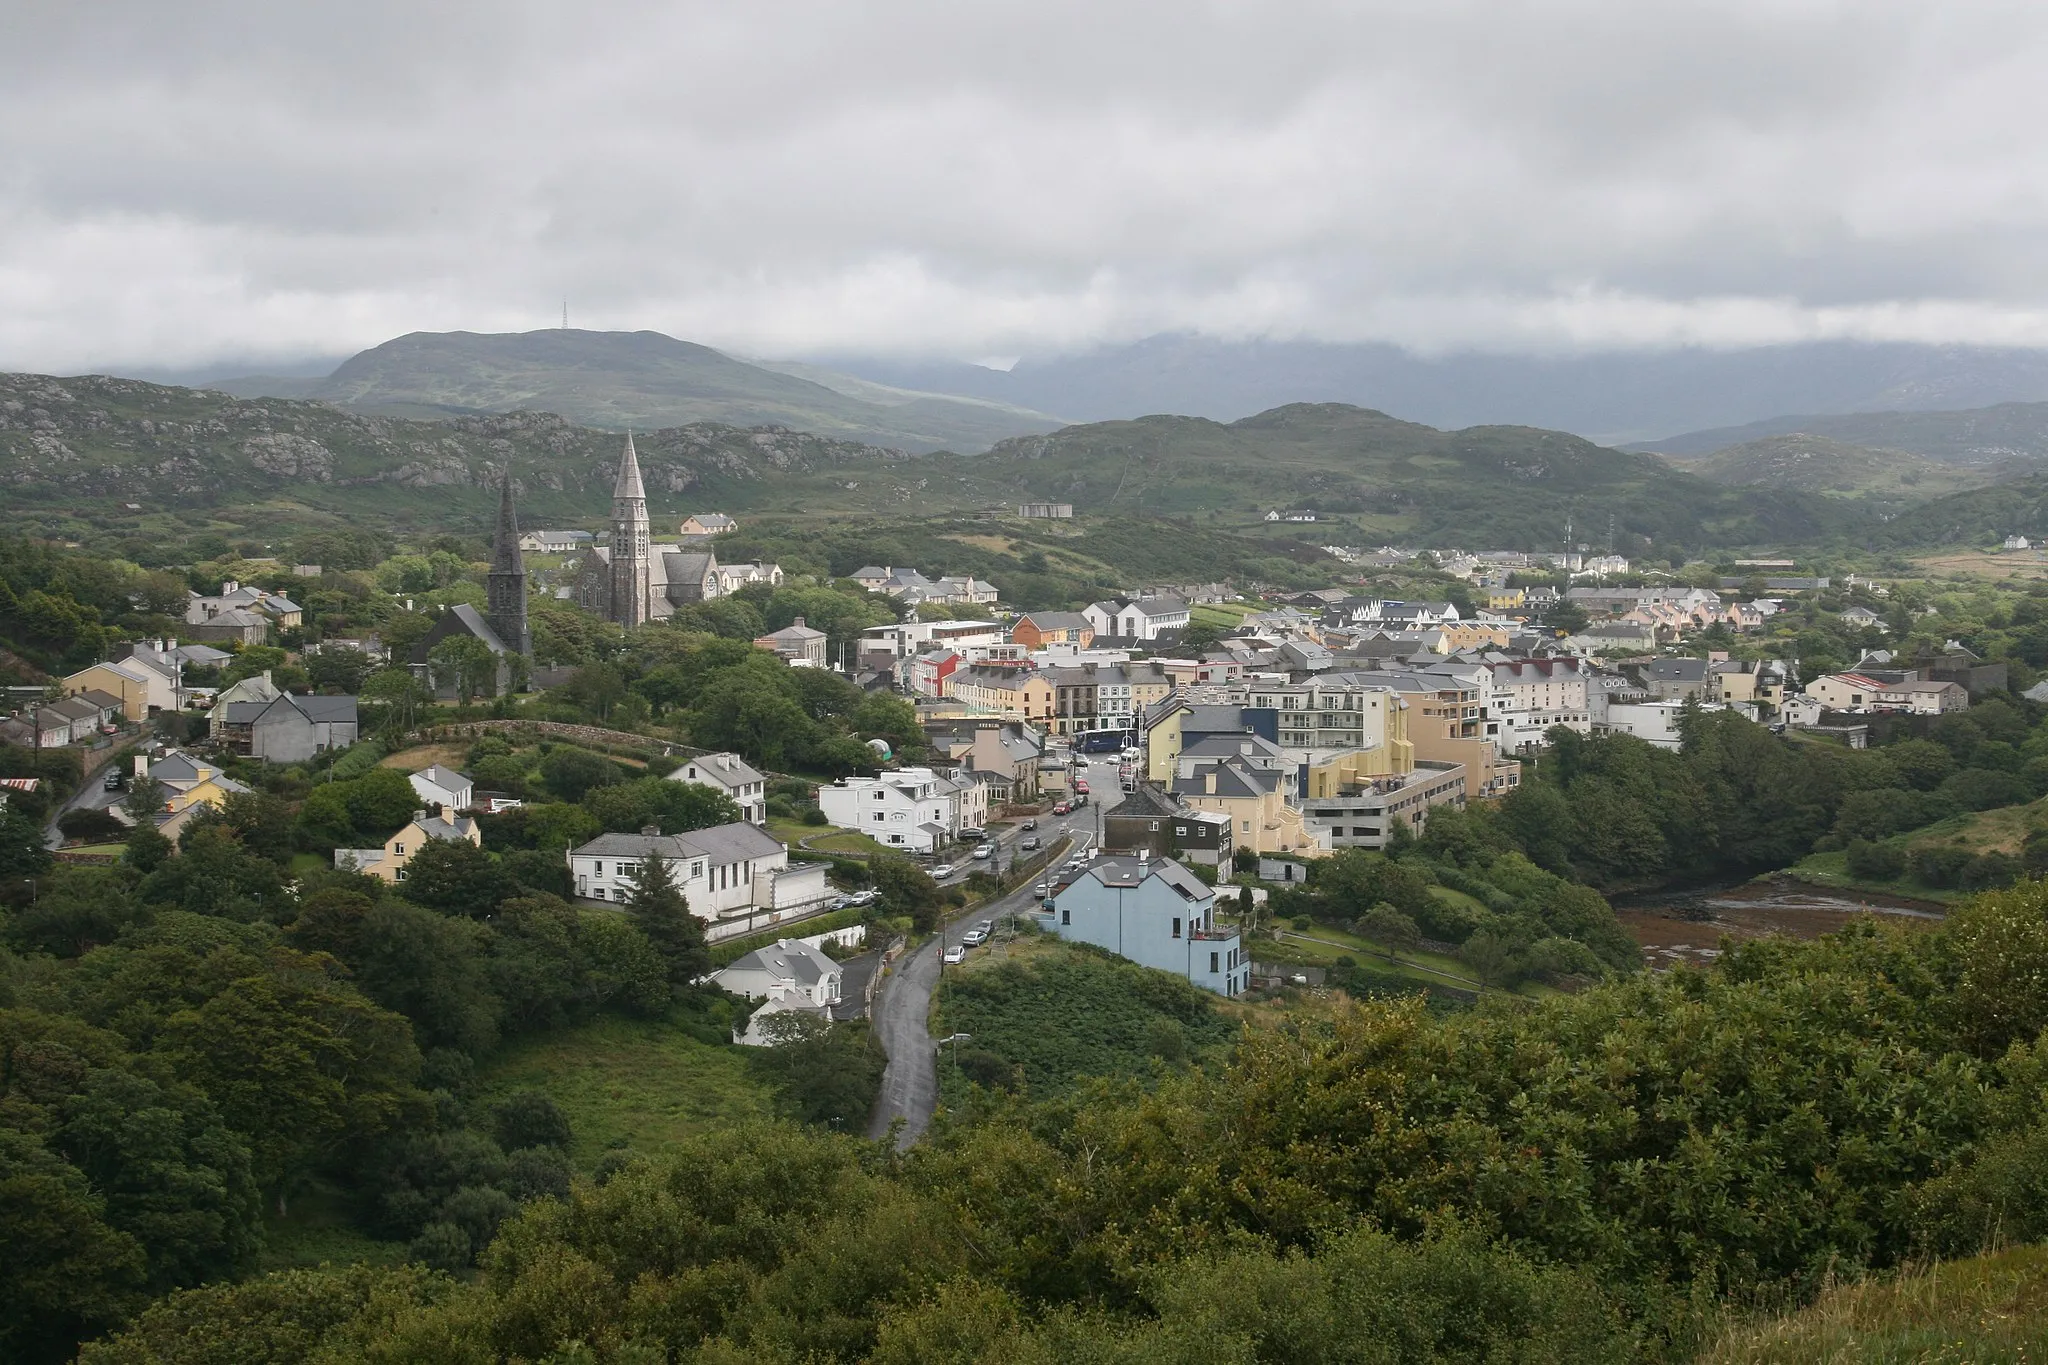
point(974, 938)
point(941, 870)
point(984, 852)
point(955, 956)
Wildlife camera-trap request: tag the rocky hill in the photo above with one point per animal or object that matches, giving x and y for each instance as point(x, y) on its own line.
point(97, 441)
point(642, 380)
point(2005, 434)
point(1820, 464)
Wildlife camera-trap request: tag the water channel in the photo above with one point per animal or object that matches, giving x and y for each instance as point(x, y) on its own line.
point(1687, 926)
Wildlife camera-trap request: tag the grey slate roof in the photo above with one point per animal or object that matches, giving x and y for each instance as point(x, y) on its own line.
point(1123, 871)
point(787, 957)
point(719, 844)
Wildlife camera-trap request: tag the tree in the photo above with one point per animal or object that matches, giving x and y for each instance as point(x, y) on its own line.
point(339, 670)
point(673, 807)
point(146, 797)
point(75, 910)
point(396, 696)
point(827, 1071)
point(298, 1064)
point(658, 907)
point(429, 968)
point(528, 1118)
point(1384, 924)
point(619, 967)
point(22, 854)
point(465, 664)
point(570, 773)
point(146, 848)
point(456, 877)
point(69, 1274)
point(906, 889)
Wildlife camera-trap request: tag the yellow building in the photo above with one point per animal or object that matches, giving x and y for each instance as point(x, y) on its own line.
point(389, 862)
point(1256, 801)
point(1012, 693)
point(1506, 599)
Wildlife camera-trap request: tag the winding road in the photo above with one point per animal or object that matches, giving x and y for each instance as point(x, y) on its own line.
point(910, 1085)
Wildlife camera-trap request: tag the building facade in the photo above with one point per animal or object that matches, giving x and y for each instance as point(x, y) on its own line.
point(1155, 913)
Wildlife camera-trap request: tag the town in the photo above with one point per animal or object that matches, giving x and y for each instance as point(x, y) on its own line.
point(922, 685)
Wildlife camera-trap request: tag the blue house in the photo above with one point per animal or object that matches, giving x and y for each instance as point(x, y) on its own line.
point(1154, 912)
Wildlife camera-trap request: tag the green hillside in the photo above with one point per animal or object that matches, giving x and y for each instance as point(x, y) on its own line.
point(1512, 487)
point(1821, 464)
point(1981, 516)
point(638, 379)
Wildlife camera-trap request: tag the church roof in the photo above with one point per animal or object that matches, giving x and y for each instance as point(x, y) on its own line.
point(629, 485)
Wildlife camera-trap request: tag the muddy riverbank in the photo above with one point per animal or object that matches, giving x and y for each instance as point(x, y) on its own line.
point(1687, 926)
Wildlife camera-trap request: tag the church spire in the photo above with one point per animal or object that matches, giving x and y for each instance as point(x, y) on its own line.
point(631, 554)
point(505, 585)
point(629, 485)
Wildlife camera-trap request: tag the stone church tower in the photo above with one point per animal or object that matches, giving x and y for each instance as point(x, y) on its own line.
point(505, 586)
point(632, 569)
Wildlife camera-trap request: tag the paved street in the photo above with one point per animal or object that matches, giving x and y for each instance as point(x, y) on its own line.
point(91, 794)
point(910, 1086)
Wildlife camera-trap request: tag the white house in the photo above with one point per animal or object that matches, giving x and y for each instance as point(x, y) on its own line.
point(1144, 618)
point(439, 786)
point(914, 809)
point(725, 872)
point(787, 976)
point(730, 774)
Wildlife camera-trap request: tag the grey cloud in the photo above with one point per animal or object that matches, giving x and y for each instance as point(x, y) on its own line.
point(184, 182)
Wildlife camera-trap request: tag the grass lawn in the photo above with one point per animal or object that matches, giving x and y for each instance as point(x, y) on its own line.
point(101, 849)
point(303, 863)
point(1224, 614)
point(824, 839)
point(1831, 870)
point(423, 756)
point(318, 1228)
point(1977, 1311)
point(639, 1083)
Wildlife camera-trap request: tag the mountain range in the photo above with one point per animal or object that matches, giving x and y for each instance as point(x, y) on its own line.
point(618, 380)
point(1608, 396)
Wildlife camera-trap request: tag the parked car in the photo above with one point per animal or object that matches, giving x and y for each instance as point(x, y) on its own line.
point(1028, 842)
point(974, 832)
point(955, 956)
point(1029, 824)
point(941, 870)
point(1081, 785)
point(868, 897)
point(1044, 888)
point(984, 852)
point(1062, 808)
point(114, 781)
point(974, 938)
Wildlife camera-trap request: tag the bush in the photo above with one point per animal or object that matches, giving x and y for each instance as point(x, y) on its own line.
point(90, 824)
point(1939, 865)
point(1986, 789)
point(813, 816)
point(1876, 862)
point(528, 1118)
point(441, 1246)
point(1989, 871)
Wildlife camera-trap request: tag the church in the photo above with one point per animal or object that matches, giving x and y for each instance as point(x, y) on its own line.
point(631, 580)
point(502, 624)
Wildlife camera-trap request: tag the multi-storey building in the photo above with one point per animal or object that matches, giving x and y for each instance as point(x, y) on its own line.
point(914, 809)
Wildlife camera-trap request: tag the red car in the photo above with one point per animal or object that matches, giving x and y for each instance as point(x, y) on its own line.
point(1061, 809)
point(1081, 784)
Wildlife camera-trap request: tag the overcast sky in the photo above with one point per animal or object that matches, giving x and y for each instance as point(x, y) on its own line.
point(193, 182)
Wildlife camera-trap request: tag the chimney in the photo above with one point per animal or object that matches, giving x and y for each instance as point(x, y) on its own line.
point(1209, 781)
point(799, 623)
point(141, 765)
point(418, 816)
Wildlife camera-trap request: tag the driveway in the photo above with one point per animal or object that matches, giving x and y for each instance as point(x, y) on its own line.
point(910, 1085)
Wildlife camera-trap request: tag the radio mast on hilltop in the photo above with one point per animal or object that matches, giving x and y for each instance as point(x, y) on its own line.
point(565, 315)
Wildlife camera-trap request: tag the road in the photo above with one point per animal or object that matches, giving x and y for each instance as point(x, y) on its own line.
point(91, 794)
point(910, 1085)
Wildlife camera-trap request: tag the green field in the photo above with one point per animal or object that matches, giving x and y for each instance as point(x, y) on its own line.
point(1987, 1310)
point(630, 1083)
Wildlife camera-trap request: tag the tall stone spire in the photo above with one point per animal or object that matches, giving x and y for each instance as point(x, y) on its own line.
point(505, 586)
point(632, 568)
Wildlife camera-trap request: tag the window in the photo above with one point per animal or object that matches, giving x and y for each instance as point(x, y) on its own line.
point(600, 869)
point(1179, 831)
point(401, 874)
point(1176, 926)
point(1212, 963)
point(398, 850)
point(628, 869)
point(696, 871)
point(1066, 917)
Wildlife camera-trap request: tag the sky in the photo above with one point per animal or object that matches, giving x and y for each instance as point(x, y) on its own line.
point(202, 183)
